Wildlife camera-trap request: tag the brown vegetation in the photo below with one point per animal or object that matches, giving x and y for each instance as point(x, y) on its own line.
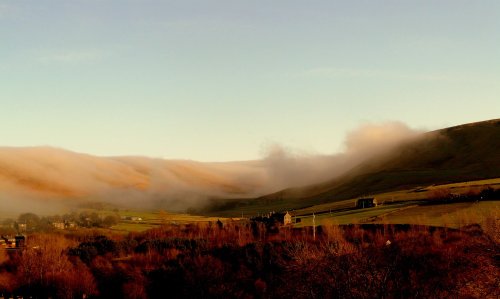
point(246, 260)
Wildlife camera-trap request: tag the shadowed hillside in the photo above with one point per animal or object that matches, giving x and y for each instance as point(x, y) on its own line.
point(455, 154)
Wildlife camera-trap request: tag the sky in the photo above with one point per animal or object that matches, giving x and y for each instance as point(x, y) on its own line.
point(223, 80)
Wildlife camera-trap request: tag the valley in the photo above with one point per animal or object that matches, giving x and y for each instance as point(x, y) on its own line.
point(114, 227)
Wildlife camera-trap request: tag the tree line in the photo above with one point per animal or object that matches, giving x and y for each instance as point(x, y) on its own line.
point(30, 222)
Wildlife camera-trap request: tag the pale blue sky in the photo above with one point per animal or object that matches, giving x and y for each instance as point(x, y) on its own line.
point(218, 80)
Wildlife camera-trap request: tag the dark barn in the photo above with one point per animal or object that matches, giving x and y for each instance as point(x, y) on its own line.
point(366, 203)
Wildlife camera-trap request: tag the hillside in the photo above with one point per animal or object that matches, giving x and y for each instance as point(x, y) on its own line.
point(38, 176)
point(455, 154)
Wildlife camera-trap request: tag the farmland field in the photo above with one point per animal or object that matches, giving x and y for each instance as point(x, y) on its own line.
point(451, 215)
point(154, 219)
point(254, 207)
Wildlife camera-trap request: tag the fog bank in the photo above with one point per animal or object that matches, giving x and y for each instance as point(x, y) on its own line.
point(38, 178)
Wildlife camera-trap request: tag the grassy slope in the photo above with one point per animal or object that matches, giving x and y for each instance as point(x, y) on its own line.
point(451, 215)
point(457, 154)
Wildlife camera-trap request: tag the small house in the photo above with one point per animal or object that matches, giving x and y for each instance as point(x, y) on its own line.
point(70, 225)
point(287, 219)
point(58, 225)
point(363, 203)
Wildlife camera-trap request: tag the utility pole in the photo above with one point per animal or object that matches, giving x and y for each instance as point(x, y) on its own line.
point(314, 227)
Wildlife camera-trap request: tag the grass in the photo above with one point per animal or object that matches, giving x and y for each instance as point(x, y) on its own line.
point(133, 227)
point(327, 207)
point(154, 219)
point(301, 206)
point(348, 217)
point(447, 215)
point(451, 215)
point(149, 219)
point(419, 193)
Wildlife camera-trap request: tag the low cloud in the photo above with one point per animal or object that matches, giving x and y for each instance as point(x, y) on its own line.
point(58, 177)
point(291, 168)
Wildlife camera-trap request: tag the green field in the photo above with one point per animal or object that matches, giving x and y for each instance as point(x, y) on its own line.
point(419, 193)
point(405, 207)
point(133, 227)
point(300, 206)
point(154, 219)
point(450, 215)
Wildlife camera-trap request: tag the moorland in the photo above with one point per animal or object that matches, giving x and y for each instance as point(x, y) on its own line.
point(431, 229)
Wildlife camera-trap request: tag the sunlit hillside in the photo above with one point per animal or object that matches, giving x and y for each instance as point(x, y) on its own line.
point(59, 175)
